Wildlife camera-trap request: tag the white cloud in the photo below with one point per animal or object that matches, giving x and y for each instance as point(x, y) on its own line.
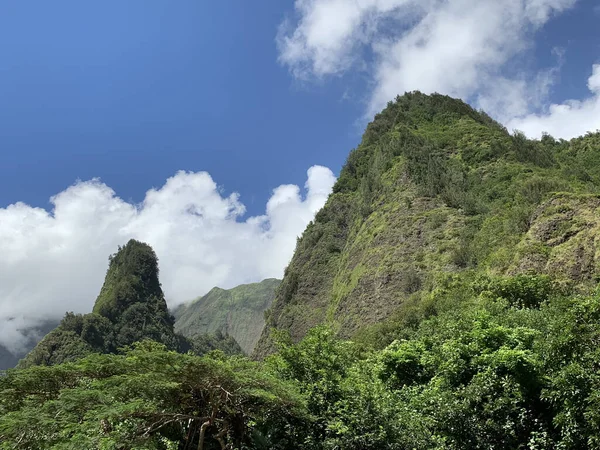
point(329, 31)
point(566, 120)
point(473, 49)
point(55, 262)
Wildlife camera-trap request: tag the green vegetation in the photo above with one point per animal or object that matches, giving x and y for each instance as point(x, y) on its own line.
point(490, 363)
point(147, 398)
point(479, 370)
point(445, 298)
point(131, 307)
point(238, 312)
point(201, 344)
point(437, 188)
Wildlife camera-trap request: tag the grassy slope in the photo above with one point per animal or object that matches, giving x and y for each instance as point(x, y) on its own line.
point(437, 188)
point(238, 312)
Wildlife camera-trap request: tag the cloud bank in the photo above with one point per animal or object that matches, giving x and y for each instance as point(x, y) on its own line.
point(53, 262)
point(567, 120)
point(463, 48)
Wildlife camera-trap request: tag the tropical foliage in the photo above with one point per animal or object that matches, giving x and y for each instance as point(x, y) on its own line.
point(147, 398)
point(131, 307)
point(477, 372)
point(445, 298)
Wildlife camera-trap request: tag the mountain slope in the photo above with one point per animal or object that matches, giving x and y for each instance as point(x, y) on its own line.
point(238, 312)
point(131, 307)
point(436, 188)
point(9, 359)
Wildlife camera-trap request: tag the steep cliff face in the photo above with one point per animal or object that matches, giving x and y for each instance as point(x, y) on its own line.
point(238, 312)
point(131, 307)
point(436, 188)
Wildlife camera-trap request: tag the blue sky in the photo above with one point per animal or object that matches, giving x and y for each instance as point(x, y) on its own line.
point(575, 31)
point(132, 91)
point(264, 99)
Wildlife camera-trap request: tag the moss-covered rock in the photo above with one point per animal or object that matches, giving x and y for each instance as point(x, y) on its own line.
point(564, 240)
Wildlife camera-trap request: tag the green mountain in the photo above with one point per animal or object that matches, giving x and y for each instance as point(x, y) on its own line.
point(131, 307)
point(437, 188)
point(453, 278)
point(238, 312)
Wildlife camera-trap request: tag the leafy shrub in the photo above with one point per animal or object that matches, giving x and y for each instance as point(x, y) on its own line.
point(524, 290)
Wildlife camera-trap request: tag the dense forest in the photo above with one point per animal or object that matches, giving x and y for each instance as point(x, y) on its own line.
point(446, 297)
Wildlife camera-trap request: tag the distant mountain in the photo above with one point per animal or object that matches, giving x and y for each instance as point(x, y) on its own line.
point(238, 312)
point(131, 307)
point(8, 360)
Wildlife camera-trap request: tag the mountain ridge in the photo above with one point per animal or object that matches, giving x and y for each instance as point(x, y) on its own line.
point(9, 359)
point(238, 312)
point(436, 188)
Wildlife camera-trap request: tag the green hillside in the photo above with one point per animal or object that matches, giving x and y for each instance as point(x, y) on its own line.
point(445, 298)
point(131, 307)
point(238, 312)
point(436, 188)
